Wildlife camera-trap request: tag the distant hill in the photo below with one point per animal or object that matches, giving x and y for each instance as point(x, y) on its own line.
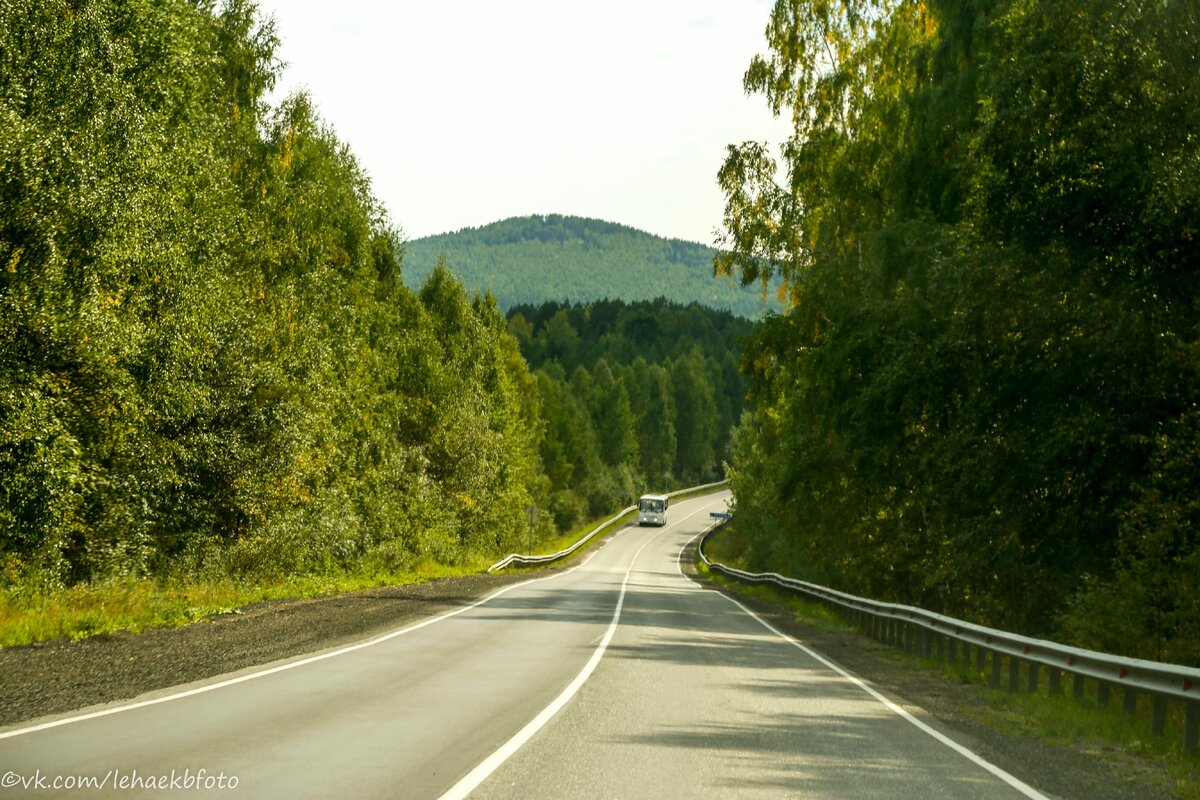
point(529, 260)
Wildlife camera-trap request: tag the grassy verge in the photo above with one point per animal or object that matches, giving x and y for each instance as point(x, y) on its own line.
point(134, 605)
point(565, 540)
point(1121, 739)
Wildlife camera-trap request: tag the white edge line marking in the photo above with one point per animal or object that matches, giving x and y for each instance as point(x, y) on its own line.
point(104, 712)
point(469, 782)
point(970, 755)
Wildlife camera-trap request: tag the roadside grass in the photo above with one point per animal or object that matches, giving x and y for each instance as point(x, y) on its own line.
point(565, 540)
point(136, 604)
point(806, 611)
point(1122, 739)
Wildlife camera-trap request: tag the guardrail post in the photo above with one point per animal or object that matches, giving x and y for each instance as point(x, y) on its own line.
point(1102, 694)
point(1014, 673)
point(1054, 680)
point(1130, 700)
point(1035, 672)
point(995, 669)
point(1078, 688)
point(980, 658)
point(1191, 726)
point(952, 656)
point(1158, 723)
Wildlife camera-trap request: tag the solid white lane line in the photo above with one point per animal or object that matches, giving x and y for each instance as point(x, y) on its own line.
point(104, 712)
point(682, 550)
point(970, 755)
point(472, 779)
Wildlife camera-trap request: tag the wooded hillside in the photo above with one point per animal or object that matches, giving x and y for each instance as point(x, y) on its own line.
point(530, 260)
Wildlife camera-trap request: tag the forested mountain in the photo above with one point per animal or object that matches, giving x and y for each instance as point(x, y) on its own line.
point(983, 398)
point(208, 362)
point(636, 397)
point(557, 258)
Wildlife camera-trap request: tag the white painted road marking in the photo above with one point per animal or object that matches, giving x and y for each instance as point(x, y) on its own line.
point(104, 712)
point(970, 755)
point(472, 779)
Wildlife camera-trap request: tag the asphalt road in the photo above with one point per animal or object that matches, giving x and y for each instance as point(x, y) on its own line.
point(618, 679)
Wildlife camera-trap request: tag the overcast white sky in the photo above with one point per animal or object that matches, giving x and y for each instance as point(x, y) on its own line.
point(467, 112)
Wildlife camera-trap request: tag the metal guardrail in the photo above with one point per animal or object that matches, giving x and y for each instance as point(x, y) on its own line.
point(926, 633)
point(531, 560)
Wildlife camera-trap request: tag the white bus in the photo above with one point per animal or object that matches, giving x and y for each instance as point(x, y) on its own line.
point(652, 509)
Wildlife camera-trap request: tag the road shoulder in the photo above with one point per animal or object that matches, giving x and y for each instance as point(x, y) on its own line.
point(1083, 770)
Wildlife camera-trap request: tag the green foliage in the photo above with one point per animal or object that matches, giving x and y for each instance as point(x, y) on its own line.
point(695, 419)
point(655, 418)
point(978, 399)
point(649, 404)
point(1149, 604)
point(208, 362)
point(526, 260)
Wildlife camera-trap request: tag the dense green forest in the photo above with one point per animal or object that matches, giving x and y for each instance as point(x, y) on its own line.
point(209, 363)
point(538, 258)
point(636, 397)
point(983, 396)
point(211, 368)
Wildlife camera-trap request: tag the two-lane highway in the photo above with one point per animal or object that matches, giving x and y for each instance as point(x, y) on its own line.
point(620, 678)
